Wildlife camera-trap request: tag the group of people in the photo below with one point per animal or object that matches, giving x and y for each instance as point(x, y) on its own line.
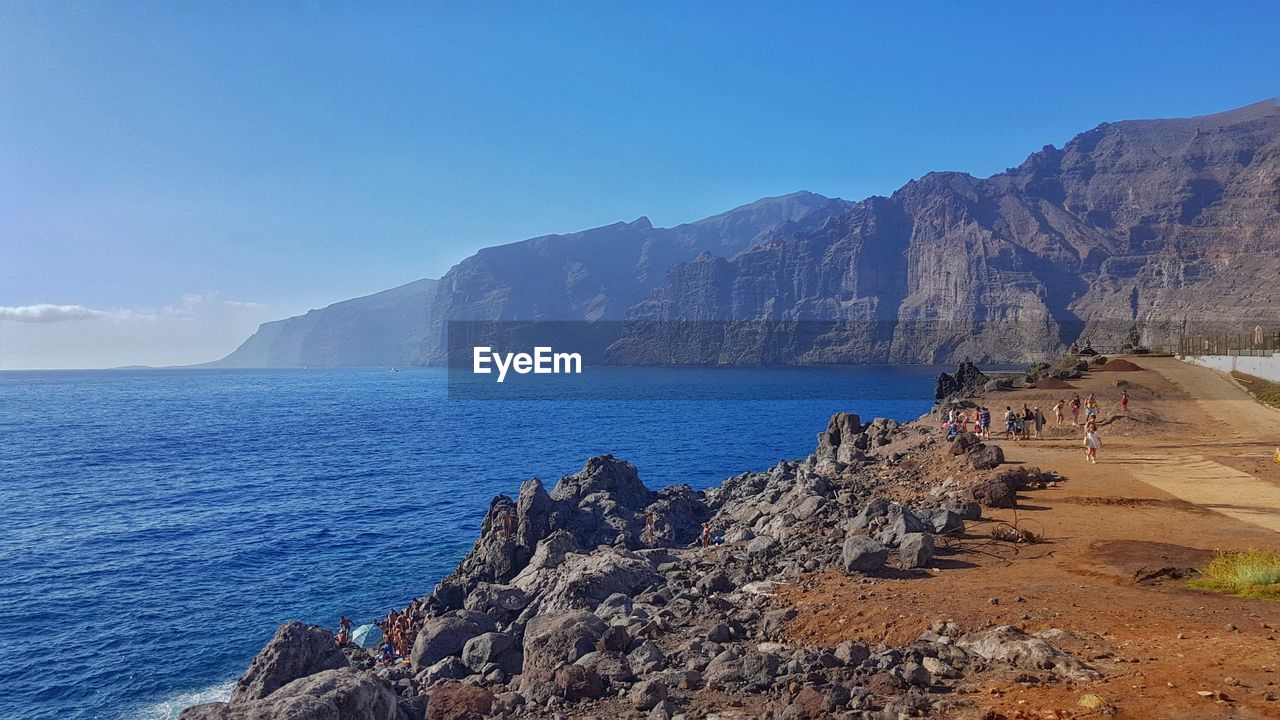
point(978, 422)
point(1021, 423)
point(1029, 421)
point(399, 628)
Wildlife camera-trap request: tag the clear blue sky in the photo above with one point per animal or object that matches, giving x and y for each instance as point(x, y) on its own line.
point(264, 158)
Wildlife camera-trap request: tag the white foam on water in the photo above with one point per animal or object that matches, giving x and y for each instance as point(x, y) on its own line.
point(171, 707)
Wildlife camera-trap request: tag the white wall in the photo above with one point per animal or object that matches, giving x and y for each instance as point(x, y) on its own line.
point(1263, 367)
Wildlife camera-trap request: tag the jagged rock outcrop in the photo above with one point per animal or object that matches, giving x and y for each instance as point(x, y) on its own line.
point(342, 694)
point(521, 542)
point(570, 603)
point(295, 651)
point(967, 381)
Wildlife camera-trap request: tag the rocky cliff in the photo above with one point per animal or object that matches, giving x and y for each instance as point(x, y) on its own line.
point(370, 331)
point(599, 599)
point(1163, 226)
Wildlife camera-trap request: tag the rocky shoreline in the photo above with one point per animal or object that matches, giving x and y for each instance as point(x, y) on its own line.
point(597, 598)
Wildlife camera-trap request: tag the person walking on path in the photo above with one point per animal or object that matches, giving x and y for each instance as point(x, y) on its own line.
point(1009, 424)
point(1124, 403)
point(1039, 424)
point(984, 422)
point(1057, 412)
point(1075, 410)
point(1091, 407)
point(1091, 444)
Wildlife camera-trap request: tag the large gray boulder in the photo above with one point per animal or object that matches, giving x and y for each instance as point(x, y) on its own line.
point(900, 522)
point(445, 636)
point(605, 475)
point(863, 554)
point(993, 492)
point(915, 550)
point(554, 639)
point(839, 444)
point(876, 508)
point(583, 581)
point(492, 647)
point(342, 694)
point(985, 457)
point(295, 651)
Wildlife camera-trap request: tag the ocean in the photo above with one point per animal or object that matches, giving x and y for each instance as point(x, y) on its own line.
point(160, 524)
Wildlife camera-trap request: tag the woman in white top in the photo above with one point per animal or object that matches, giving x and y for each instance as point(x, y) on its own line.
point(1091, 444)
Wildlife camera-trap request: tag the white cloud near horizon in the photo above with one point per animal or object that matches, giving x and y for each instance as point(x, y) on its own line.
point(243, 305)
point(44, 313)
point(197, 327)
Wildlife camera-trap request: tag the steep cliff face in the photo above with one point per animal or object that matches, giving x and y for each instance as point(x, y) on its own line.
point(1169, 226)
point(1164, 225)
point(597, 274)
point(369, 331)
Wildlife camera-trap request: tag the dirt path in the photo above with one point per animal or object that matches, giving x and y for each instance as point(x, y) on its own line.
point(1188, 472)
point(1233, 427)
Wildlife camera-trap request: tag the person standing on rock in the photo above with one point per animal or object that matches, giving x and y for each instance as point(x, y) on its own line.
point(508, 525)
point(706, 535)
point(1091, 444)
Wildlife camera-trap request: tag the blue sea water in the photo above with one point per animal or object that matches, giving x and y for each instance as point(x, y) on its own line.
point(159, 525)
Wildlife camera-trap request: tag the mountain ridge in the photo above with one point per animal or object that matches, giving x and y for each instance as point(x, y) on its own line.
point(1163, 225)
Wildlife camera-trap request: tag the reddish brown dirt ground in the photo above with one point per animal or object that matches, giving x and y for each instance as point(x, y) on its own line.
point(1103, 573)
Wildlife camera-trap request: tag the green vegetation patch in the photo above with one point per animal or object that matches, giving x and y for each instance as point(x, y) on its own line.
point(1261, 388)
point(1249, 574)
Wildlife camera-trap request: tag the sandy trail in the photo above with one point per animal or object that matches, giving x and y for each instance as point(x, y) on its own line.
point(1189, 472)
point(1234, 426)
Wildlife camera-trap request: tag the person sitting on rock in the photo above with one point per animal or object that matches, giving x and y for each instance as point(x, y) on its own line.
point(388, 656)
